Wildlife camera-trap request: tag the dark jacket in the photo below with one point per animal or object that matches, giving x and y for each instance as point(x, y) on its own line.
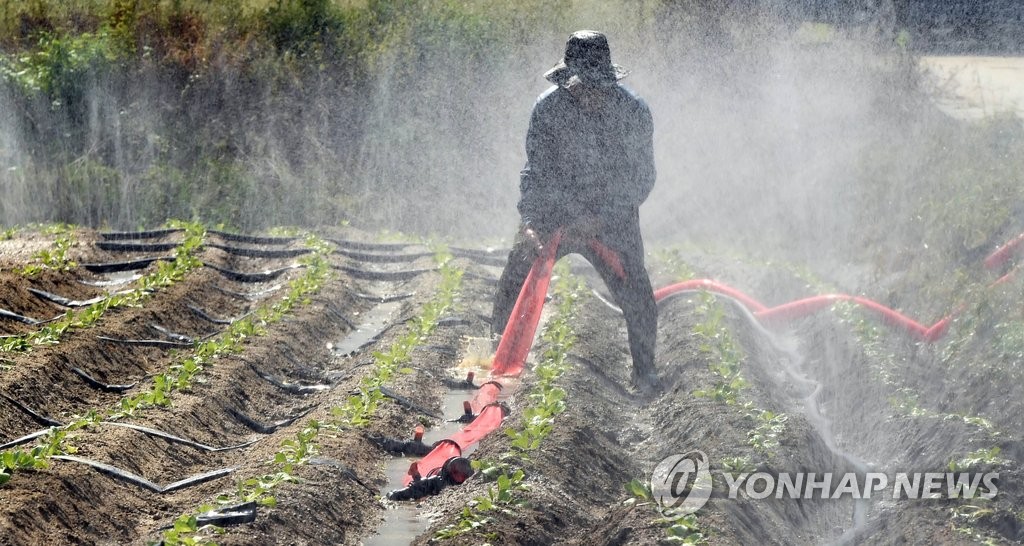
point(581, 163)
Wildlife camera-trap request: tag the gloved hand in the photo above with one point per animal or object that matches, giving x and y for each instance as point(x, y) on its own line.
point(528, 233)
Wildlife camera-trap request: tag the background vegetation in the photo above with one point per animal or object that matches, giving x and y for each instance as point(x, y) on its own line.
point(252, 113)
point(246, 112)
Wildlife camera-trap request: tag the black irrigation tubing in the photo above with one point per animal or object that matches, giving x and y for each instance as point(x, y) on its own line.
point(496, 258)
point(136, 247)
point(229, 515)
point(408, 448)
point(381, 258)
point(10, 315)
point(131, 265)
point(161, 343)
point(177, 439)
point(599, 372)
point(209, 318)
point(465, 383)
point(181, 337)
point(111, 282)
point(173, 336)
point(367, 275)
point(347, 471)
point(129, 477)
point(25, 439)
point(125, 235)
point(62, 301)
point(248, 296)
point(358, 245)
point(36, 416)
point(251, 239)
point(408, 404)
point(267, 429)
point(258, 276)
point(235, 514)
point(260, 252)
point(477, 253)
point(288, 386)
point(486, 279)
point(387, 298)
point(94, 383)
point(607, 302)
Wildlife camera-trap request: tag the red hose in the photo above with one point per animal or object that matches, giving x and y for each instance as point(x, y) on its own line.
point(1003, 253)
point(518, 337)
point(515, 344)
point(711, 286)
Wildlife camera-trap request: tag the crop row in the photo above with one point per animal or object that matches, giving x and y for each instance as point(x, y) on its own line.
point(166, 274)
point(180, 374)
point(357, 411)
point(55, 258)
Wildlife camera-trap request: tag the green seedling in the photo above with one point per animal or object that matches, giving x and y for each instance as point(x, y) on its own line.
point(982, 457)
point(639, 492)
point(55, 258)
point(738, 465)
point(679, 528)
point(765, 436)
point(166, 274)
point(181, 374)
point(718, 344)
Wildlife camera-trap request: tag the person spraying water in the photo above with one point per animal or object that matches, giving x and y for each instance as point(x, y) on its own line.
point(590, 164)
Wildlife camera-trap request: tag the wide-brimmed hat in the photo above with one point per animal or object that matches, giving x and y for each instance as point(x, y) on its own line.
point(588, 58)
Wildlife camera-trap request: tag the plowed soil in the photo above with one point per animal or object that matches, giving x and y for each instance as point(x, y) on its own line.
point(839, 394)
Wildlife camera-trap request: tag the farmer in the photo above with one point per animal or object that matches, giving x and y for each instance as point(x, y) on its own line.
point(589, 166)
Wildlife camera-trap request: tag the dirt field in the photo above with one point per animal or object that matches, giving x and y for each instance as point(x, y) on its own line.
point(840, 383)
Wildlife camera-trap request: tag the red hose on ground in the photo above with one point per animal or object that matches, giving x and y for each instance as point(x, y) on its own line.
point(508, 361)
point(711, 286)
point(433, 461)
point(807, 306)
point(487, 421)
point(486, 395)
point(515, 344)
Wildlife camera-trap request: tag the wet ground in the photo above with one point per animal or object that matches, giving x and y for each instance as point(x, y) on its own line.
point(840, 383)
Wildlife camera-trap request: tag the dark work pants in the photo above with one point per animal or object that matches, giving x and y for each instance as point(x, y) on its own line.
point(633, 294)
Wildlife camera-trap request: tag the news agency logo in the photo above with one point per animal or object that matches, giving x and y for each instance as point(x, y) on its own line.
point(681, 484)
point(902, 485)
